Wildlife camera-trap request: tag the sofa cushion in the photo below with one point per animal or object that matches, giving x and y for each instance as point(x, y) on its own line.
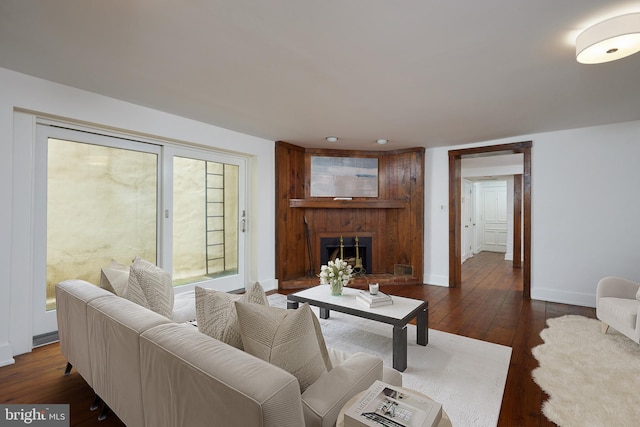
point(114, 328)
point(190, 379)
point(216, 312)
point(115, 278)
point(184, 307)
point(285, 338)
point(150, 286)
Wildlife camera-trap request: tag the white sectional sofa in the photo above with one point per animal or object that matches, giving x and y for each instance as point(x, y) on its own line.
point(152, 371)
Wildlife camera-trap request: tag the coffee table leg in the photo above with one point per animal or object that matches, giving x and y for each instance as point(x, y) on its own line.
point(422, 327)
point(292, 304)
point(324, 313)
point(400, 348)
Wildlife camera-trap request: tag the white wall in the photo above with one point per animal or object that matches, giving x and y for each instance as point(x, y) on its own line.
point(585, 210)
point(23, 92)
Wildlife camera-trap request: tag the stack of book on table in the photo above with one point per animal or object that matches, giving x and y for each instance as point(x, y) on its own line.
point(376, 300)
point(386, 405)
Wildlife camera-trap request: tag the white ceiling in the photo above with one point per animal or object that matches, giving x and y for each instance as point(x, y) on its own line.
point(417, 72)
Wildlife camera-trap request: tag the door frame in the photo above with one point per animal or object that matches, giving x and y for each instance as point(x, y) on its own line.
point(455, 208)
point(470, 205)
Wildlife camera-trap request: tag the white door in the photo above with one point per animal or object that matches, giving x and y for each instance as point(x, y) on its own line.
point(467, 220)
point(96, 200)
point(208, 219)
point(494, 216)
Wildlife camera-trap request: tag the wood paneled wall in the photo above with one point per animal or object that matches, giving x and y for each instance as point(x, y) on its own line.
point(395, 219)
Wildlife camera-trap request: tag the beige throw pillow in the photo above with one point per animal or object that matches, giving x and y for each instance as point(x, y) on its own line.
point(284, 338)
point(323, 346)
point(115, 278)
point(216, 313)
point(151, 287)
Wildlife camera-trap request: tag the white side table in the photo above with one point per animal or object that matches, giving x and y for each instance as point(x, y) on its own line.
point(444, 422)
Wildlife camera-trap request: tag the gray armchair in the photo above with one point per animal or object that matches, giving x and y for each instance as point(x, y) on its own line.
point(618, 306)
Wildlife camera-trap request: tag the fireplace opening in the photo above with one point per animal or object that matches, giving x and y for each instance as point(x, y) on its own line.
point(330, 250)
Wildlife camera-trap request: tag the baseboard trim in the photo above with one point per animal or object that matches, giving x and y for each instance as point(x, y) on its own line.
point(563, 297)
point(6, 355)
point(437, 280)
point(44, 339)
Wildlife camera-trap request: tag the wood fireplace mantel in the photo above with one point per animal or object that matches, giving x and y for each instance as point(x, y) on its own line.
point(348, 204)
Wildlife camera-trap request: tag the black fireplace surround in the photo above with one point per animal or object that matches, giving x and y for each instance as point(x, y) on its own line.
point(330, 250)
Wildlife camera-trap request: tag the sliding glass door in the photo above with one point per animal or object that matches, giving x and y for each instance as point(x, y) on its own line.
point(207, 220)
point(101, 198)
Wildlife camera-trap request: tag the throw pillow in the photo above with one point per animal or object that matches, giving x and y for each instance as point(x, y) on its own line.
point(115, 278)
point(284, 338)
point(323, 346)
point(151, 287)
point(216, 313)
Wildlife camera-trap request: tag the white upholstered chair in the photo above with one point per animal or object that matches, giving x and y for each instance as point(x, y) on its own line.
point(618, 306)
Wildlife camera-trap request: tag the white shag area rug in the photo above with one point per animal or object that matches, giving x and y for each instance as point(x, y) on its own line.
point(465, 375)
point(592, 379)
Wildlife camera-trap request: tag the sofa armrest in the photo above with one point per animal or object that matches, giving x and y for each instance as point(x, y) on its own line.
point(616, 287)
point(323, 400)
point(389, 375)
point(72, 297)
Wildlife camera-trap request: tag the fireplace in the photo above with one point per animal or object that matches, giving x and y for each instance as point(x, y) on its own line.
point(330, 250)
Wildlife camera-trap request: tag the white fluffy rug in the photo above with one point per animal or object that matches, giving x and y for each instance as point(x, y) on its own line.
point(592, 379)
point(466, 376)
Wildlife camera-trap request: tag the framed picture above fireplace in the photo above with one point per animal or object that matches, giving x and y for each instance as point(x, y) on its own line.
point(344, 177)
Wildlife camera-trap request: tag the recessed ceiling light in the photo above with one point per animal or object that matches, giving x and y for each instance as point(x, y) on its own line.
point(332, 138)
point(382, 141)
point(609, 40)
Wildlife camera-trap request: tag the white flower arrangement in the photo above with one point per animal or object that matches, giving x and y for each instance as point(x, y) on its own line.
point(336, 274)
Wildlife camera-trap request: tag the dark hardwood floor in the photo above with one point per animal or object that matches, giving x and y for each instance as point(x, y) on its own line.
point(488, 306)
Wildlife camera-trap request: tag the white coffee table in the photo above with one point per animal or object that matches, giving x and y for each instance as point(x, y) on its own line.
point(397, 314)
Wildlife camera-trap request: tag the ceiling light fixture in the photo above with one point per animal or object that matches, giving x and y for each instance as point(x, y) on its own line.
point(382, 141)
point(332, 138)
point(609, 40)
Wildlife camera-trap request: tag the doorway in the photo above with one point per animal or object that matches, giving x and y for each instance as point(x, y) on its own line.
point(455, 207)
